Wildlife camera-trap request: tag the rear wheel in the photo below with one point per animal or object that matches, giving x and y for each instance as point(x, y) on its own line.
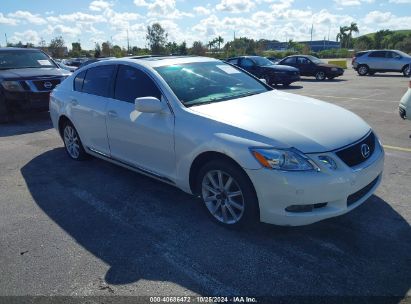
point(363, 70)
point(72, 142)
point(228, 194)
point(406, 71)
point(320, 75)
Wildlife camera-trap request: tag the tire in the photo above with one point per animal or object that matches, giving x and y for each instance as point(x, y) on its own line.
point(331, 77)
point(228, 194)
point(320, 75)
point(72, 142)
point(406, 71)
point(363, 70)
point(286, 84)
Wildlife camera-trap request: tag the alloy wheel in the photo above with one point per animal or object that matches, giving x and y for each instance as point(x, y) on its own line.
point(223, 197)
point(363, 70)
point(320, 76)
point(72, 141)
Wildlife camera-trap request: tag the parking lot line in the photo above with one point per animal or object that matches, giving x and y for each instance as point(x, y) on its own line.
point(397, 148)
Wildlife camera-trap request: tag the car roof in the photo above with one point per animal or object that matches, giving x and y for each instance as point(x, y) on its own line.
point(18, 49)
point(157, 61)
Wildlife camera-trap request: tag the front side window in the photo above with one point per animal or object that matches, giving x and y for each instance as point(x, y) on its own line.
point(289, 60)
point(98, 80)
point(132, 83)
point(262, 61)
point(247, 63)
point(207, 82)
point(24, 60)
point(302, 60)
point(78, 81)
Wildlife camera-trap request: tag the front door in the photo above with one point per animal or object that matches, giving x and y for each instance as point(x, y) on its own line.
point(142, 140)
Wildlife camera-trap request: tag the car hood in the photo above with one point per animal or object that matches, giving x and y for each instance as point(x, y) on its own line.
point(32, 73)
point(284, 68)
point(289, 120)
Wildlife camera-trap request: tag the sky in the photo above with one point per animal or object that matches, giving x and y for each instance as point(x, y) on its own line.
point(96, 21)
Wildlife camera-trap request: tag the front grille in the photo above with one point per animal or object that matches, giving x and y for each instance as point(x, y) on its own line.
point(353, 156)
point(403, 114)
point(355, 197)
point(40, 84)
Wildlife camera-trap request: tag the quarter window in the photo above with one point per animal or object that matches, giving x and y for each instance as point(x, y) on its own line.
point(98, 80)
point(132, 83)
point(78, 81)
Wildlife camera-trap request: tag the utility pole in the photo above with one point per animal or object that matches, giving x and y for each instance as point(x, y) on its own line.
point(312, 28)
point(128, 44)
point(5, 35)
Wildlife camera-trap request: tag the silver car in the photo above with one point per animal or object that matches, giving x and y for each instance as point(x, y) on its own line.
point(370, 62)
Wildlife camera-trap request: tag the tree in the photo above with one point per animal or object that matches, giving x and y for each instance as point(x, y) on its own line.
point(352, 28)
point(117, 51)
point(198, 48)
point(172, 48)
point(219, 40)
point(363, 43)
point(106, 49)
point(157, 38)
point(97, 51)
point(57, 47)
point(379, 38)
point(342, 36)
point(182, 48)
point(404, 45)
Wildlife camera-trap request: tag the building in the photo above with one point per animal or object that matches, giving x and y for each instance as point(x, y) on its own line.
point(315, 45)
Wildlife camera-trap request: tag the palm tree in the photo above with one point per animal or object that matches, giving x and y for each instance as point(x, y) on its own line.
point(219, 40)
point(352, 28)
point(342, 36)
point(211, 44)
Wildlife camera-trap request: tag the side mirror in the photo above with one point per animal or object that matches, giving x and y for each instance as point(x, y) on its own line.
point(148, 105)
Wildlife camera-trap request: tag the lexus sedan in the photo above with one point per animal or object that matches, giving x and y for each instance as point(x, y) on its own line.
point(265, 69)
point(312, 66)
point(248, 151)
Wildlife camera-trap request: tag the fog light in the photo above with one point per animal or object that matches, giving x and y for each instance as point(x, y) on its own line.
point(300, 208)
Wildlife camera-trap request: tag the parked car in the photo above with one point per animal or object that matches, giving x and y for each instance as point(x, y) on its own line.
point(405, 104)
point(66, 67)
point(26, 78)
point(312, 66)
point(77, 62)
point(371, 62)
point(273, 59)
point(90, 61)
point(213, 130)
point(263, 68)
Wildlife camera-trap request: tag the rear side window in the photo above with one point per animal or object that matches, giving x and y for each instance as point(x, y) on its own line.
point(378, 54)
point(132, 83)
point(359, 54)
point(78, 81)
point(247, 63)
point(302, 60)
point(98, 80)
point(290, 60)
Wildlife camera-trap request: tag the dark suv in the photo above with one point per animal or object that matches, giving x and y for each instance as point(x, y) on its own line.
point(27, 76)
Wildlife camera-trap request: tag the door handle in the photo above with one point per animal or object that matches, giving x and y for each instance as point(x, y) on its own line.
point(74, 102)
point(112, 114)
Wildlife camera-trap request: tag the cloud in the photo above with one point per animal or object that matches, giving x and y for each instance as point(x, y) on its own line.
point(352, 2)
point(7, 21)
point(235, 6)
point(28, 17)
point(201, 10)
point(140, 3)
point(99, 5)
point(25, 37)
point(400, 1)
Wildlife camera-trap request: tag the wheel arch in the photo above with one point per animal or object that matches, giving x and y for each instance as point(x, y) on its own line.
point(206, 157)
point(62, 120)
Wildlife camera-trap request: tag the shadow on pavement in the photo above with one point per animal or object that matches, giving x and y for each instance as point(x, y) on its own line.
point(26, 123)
point(144, 229)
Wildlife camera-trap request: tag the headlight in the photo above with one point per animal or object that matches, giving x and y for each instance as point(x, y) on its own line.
point(13, 86)
point(328, 161)
point(279, 159)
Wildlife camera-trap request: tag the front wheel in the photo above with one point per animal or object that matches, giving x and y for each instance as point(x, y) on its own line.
point(362, 70)
point(406, 71)
point(72, 142)
point(228, 194)
point(320, 75)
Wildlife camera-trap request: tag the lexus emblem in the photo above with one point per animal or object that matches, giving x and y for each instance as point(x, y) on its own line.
point(48, 85)
point(365, 150)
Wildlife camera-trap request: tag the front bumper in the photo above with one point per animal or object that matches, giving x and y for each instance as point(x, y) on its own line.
point(285, 78)
point(22, 101)
point(342, 189)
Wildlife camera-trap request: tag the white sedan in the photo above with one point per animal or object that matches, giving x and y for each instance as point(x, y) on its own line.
point(405, 104)
point(250, 152)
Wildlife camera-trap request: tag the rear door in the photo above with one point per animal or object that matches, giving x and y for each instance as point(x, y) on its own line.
point(142, 140)
point(249, 65)
point(377, 60)
point(291, 61)
point(88, 102)
point(305, 66)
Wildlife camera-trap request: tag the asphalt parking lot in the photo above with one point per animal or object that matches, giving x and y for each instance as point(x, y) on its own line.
point(92, 228)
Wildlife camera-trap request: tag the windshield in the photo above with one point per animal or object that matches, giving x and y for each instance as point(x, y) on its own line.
point(207, 82)
point(402, 54)
point(24, 59)
point(261, 61)
point(315, 59)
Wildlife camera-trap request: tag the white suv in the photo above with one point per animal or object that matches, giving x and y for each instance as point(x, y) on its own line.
point(210, 129)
